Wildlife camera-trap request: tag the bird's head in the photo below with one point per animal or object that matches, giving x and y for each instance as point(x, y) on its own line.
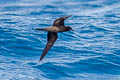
point(68, 28)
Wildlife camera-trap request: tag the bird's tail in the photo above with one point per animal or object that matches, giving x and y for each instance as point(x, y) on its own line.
point(42, 29)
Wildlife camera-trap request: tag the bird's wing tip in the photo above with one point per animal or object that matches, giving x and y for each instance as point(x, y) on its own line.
point(40, 60)
point(67, 16)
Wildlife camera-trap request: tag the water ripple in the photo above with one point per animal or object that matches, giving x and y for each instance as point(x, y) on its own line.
point(90, 52)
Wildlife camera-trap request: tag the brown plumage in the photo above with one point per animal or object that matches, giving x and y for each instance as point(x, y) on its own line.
point(58, 26)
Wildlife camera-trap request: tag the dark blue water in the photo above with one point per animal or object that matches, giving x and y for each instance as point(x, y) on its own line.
point(90, 52)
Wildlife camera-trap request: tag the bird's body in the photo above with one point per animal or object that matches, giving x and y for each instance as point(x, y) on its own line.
point(54, 29)
point(58, 26)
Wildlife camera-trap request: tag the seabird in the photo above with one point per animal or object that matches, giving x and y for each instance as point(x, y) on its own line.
point(58, 26)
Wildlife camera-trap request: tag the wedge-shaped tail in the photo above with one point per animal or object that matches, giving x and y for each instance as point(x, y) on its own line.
point(41, 29)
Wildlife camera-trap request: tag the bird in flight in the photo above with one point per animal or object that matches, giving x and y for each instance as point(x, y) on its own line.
point(58, 26)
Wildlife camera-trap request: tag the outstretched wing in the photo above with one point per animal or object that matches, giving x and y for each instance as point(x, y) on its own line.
point(60, 21)
point(51, 38)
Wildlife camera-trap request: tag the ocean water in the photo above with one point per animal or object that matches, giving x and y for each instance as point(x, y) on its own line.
point(90, 52)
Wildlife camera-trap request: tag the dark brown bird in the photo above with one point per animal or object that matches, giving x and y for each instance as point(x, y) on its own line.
point(58, 26)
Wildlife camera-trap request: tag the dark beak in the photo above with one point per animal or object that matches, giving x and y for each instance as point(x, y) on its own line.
point(72, 30)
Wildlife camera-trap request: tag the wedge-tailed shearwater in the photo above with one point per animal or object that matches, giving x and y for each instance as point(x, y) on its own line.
point(58, 26)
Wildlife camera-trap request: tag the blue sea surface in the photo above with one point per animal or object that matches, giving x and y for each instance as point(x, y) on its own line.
point(90, 52)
